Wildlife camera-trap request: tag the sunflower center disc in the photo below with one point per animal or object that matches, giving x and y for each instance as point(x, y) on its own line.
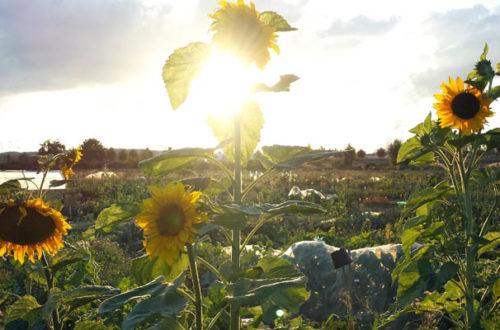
point(171, 220)
point(34, 227)
point(465, 105)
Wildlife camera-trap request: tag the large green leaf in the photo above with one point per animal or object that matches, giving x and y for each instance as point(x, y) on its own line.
point(299, 160)
point(496, 288)
point(292, 207)
point(283, 85)
point(277, 287)
point(411, 149)
point(424, 127)
point(251, 123)
point(67, 257)
point(116, 214)
point(169, 161)
point(276, 267)
point(53, 302)
point(9, 185)
point(494, 241)
point(134, 294)
point(441, 191)
point(275, 21)
point(231, 221)
point(182, 68)
point(145, 268)
point(87, 294)
point(278, 153)
point(166, 302)
point(26, 308)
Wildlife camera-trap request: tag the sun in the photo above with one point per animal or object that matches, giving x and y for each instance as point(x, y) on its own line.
point(223, 86)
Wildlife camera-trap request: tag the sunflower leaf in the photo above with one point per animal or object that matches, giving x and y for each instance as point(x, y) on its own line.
point(182, 68)
point(87, 294)
point(283, 85)
point(145, 268)
point(276, 21)
point(166, 302)
point(494, 93)
point(251, 123)
point(119, 300)
point(278, 153)
point(25, 308)
point(115, 214)
point(168, 161)
point(292, 207)
point(299, 160)
point(9, 185)
point(484, 53)
point(410, 149)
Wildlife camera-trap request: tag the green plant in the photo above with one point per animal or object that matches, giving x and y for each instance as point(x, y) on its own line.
point(454, 272)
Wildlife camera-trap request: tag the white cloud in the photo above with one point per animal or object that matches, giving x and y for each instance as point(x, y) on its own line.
point(54, 44)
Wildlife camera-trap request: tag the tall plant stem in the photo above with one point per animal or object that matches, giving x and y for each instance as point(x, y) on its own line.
point(56, 322)
point(235, 250)
point(470, 252)
point(196, 285)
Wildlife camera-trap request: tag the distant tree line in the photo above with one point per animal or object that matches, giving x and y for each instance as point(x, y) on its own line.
point(95, 156)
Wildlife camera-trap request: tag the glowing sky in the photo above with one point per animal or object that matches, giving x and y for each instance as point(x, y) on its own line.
point(73, 69)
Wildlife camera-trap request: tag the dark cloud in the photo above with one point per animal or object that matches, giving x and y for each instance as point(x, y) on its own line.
point(56, 44)
point(360, 26)
point(461, 35)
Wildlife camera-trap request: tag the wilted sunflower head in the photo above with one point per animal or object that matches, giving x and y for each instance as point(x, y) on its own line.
point(69, 159)
point(29, 227)
point(167, 219)
point(238, 29)
point(461, 107)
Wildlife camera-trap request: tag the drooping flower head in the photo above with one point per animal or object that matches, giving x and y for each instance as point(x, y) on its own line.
point(29, 227)
point(238, 29)
point(462, 107)
point(70, 158)
point(167, 219)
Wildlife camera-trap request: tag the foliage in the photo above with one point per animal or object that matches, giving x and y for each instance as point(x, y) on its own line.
point(392, 151)
point(349, 155)
point(381, 153)
point(450, 275)
point(49, 147)
point(94, 153)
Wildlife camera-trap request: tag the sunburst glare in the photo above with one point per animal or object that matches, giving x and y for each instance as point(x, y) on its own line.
point(223, 85)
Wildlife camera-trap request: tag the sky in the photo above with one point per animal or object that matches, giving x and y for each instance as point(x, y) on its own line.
point(72, 70)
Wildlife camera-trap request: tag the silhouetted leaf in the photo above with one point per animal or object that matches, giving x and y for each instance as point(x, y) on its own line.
point(182, 68)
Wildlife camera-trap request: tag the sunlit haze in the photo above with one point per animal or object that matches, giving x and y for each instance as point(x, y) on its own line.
point(72, 70)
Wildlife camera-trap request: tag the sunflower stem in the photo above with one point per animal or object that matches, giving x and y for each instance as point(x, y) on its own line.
point(196, 285)
point(235, 250)
point(56, 322)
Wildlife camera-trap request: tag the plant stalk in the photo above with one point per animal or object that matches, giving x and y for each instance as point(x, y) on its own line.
point(470, 252)
point(196, 285)
point(235, 250)
point(56, 322)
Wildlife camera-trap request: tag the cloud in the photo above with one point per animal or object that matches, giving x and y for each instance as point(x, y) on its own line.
point(55, 44)
point(460, 36)
point(360, 26)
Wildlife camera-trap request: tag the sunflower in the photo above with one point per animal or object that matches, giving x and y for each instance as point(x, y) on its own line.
point(26, 227)
point(238, 29)
point(461, 107)
point(70, 159)
point(167, 220)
